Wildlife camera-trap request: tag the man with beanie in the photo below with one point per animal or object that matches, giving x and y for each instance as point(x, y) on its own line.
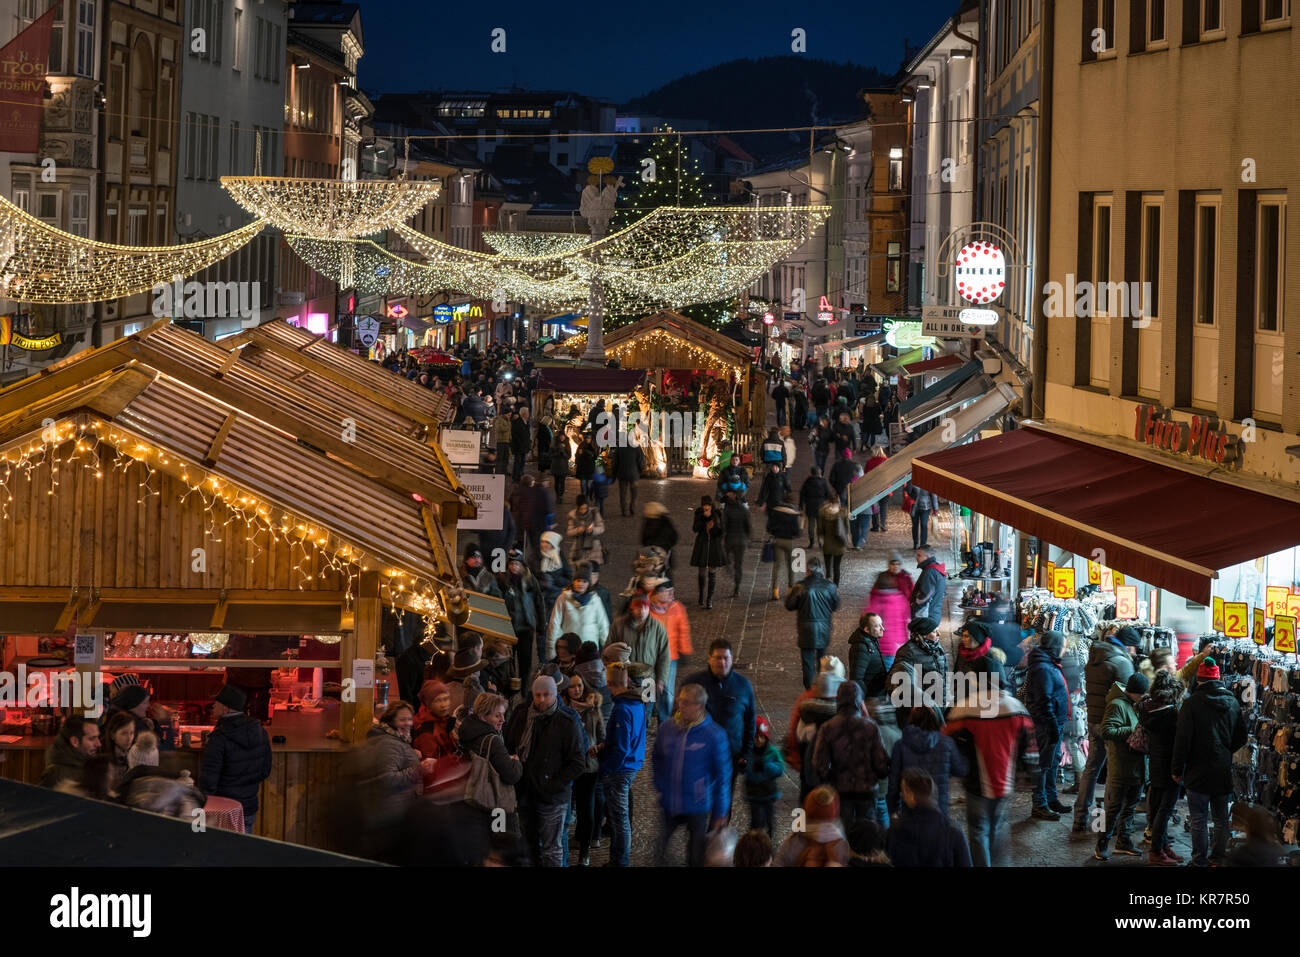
point(1210, 729)
point(693, 775)
point(237, 757)
point(549, 742)
point(1048, 701)
point(1108, 663)
point(849, 756)
point(815, 599)
point(473, 575)
point(911, 681)
point(621, 759)
point(1126, 768)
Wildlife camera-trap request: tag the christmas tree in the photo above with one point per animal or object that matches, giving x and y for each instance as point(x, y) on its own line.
point(670, 178)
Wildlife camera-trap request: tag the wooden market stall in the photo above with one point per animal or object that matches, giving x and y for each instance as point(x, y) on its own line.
point(160, 488)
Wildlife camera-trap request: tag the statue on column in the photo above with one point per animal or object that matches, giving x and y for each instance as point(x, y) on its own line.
point(597, 208)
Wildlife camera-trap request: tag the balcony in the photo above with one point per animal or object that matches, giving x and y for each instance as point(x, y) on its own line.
point(138, 157)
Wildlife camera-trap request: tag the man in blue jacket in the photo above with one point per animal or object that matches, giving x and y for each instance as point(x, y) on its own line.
point(692, 773)
point(1048, 701)
point(621, 756)
point(731, 702)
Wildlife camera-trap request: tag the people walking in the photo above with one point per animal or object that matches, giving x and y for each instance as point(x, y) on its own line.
point(1125, 765)
point(577, 610)
point(923, 506)
point(814, 492)
point(923, 837)
point(848, 755)
point(708, 554)
point(584, 531)
point(1158, 718)
point(693, 775)
point(658, 529)
point(731, 702)
point(629, 463)
point(763, 774)
point(671, 613)
point(621, 759)
point(931, 586)
point(1048, 701)
point(814, 600)
point(890, 598)
point(736, 531)
point(1108, 664)
point(783, 526)
point(924, 746)
point(833, 530)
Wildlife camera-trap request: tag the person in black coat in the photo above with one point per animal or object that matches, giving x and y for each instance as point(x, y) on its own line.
point(237, 757)
point(658, 529)
point(736, 531)
point(1158, 716)
point(629, 463)
point(842, 475)
point(842, 433)
point(922, 836)
point(708, 554)
point(521, 441)
point(812, 495)
point(815, 599)
point(1048, 702)
point(866, 661)
point(776, 483)
point(1108, 663)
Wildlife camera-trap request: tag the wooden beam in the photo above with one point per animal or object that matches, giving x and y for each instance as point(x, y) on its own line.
point(69, 612)
point(228, 362)
point(356, 717)
point(219, 615)
point(218, 440)
point(87, 616)
point(437, 543)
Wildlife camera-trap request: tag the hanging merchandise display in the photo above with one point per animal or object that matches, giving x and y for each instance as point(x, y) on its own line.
point(42, 264)
point(331, 208)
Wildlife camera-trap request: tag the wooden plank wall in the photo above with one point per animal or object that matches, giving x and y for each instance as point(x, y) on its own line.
point(119, 532)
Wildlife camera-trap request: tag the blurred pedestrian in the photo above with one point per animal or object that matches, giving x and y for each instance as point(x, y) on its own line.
point(763, 775)
point(923, 837)
point(621, 758)
point(692, 773)
point(814, 600)
point(821, 843)
point(707, 555)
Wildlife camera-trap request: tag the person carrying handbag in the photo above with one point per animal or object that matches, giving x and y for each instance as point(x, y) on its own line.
point(494, 771)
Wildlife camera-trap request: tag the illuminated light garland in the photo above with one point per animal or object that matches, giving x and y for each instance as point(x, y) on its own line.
point(101, 439)
point(530, 244)
point(705, 358)
point(331, 208)
point(48, 265)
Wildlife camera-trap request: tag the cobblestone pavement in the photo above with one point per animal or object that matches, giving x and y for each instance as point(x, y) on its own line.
point(762, 634)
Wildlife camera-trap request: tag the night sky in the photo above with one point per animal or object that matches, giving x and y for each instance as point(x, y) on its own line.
point(623, 49)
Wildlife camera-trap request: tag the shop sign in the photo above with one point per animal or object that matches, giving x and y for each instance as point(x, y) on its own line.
point(794, 333)
point(1284, 633)
point(1217, 621)
point(367, 328)
point(395, 310)
point(906, 334)
point(1204, 437)
point(1126, 601)
point(1236, 619)
point(489, 493)
point(825, 312)
point(8, 337)
point(946, 322)
point(981, 272)
point(461, 446)
point(1275, 600)
point(794, 317)
point(442, 314)
point(1257, 631)
point(1063, 583)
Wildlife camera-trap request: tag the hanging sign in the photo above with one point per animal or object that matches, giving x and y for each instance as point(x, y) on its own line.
point(1257, 632)
point(1094, 573)
point(906, 334)
point(1216, 621)
point(442, 314)
point(23, 64)
point(953, 322)
point(825, 312)
point(1051, 575)
point(1284, 633)
point(1107, 579)
point(1119, 579)
point(367, 330)
point(1063, 583)
point(1236, 619)
point(1275, 602)
point(981, 272)
point(1293, 606)
point(1126, 601)
point(1155, 602)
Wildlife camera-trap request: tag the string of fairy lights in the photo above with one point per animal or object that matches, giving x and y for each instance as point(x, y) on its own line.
point(528, 245)
point(331, 208)
point(99, 447)
point(704, 358)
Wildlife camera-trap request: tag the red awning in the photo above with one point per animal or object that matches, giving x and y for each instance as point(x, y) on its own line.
point(937, 364)
point(1160, 524)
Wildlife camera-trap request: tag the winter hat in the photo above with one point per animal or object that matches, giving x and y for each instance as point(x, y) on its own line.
point(558, 678)
point(473, 551)
point(554, 539)
point(978, 631)
point(516, 555)
point(846, 453)
point(591, 672)
point(232, 697)
point(922, 626)
point(827, 685)
point(120, 683)
point(655, 509)
point(1138, 683)
point(582, 572)
point(1053, 642)
point(831, 664)
point(130, 697)
point(619, 651)
point(590, 651)
point(545, 683)
point(144, 751)
point(430, 690)
point(849, 697)
point(1208, 670)
point(1128, 636)
point(763, 726)
point(822, 804)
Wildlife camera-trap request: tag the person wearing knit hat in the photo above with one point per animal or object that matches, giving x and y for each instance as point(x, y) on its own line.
point(616, 651)
point(1210, 729)
point(822, 842)
point(1109, 662)
point(849, 755)
point(919, 674)
point(431, 732)
point(579, 611)
point(133, 698)
point(1048, 700)
point(237, 757)
point(474, 576)
point(1126, 767)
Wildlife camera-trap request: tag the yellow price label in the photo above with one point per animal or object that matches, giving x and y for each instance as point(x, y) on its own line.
point(1275, 600)
point(1063, 584)
point(1257, 630)
point(1051, 575)
point(1293, 606)
point(1284, 633)
point(1119, 580)
point(1126, 601)
point(1094, 573)
point(1236, 619)
point(1217, 621)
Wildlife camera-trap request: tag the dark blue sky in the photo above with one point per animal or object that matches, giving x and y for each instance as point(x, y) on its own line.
point(622, 49)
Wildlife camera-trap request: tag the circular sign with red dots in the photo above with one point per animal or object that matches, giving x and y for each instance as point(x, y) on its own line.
point(981, 272)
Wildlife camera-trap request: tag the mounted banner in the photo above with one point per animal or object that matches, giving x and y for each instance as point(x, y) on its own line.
point(22, 85)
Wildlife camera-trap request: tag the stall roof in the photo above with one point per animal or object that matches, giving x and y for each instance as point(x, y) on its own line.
point(223, 439)
point(326, 361)
point(1163, 525)
point(686, 329)
point(612, 381)
point(892, 366)
point(937, 364)
point(895, 471)
point(331, 420)
point(946, 384)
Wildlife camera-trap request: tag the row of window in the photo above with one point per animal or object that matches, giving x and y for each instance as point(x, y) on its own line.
point(1149, 30)
point(84, 62)
point(516, 114)
point(202, 147)
point(48, 206)
point(1010, 23)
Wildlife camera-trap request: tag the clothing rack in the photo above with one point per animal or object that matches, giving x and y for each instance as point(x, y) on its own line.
point(1153, 636)
point(1077, 616)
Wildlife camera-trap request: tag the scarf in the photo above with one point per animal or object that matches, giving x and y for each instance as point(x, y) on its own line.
point(970, 654)
point(660, 609)
point(583, 598)
point(526, 743)
point(551, 561)
point(682, 723)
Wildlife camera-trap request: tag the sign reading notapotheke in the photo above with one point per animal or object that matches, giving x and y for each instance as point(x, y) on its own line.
point(489, 493)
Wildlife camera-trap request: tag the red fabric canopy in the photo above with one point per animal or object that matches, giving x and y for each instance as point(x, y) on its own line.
point(1160, 524)
point(937, 364)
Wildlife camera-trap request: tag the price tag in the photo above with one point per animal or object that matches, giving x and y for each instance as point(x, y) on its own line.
point(1119, 580)
point(1063, 583)
point(1284, 633)
point(1126, 601)
point(1275, 600)
point(1293, 606)
point(1051, 575)
point(83, 650)
point(1155, 605)
point(1236, 619)
point(1257, 631)
point(1094, 573)
point(1217, 621)
point(1107, 579)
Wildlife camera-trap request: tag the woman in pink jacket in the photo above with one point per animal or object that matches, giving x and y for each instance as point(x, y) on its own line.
point(890, 598)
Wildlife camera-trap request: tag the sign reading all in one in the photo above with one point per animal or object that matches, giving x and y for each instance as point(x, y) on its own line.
point(945, 322)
